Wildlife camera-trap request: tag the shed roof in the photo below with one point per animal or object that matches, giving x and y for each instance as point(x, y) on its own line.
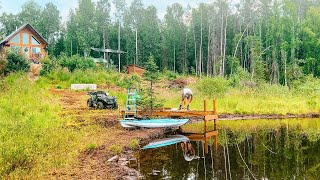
point(19, 29)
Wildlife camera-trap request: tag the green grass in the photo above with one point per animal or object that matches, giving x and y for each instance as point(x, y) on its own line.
point(31, 137)
point(264, 100)
point(134, 144)
point(34, 139)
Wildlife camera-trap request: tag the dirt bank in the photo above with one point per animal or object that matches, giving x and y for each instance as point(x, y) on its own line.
point(266, 116)
point(93, 163)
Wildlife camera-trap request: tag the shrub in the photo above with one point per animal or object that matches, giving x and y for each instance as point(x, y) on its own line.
point(115, 149)
point(130, 81)
point(48, 66)
point(213, 87)
point(169, 75)
point(15, 62)
point(134, 144)
point(76, 62)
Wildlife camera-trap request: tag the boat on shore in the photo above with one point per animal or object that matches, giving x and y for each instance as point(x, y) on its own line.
point(153, 123)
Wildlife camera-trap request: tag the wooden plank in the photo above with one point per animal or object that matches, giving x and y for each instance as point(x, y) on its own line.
point(211, 133)
point(211, 117)
point(166, 113)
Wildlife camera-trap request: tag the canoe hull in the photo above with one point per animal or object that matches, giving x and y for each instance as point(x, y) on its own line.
point(153, 123)
point(174, 139)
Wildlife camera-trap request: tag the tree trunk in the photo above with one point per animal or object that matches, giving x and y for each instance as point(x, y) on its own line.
point(136, 46)
point(200, 51)
point(174, 58)
point(225, 44)
point(195, 51)
point(185, 69)
point(119, 55)
point(221, 43)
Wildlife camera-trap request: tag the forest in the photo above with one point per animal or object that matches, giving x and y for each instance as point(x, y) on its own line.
point(266, 41)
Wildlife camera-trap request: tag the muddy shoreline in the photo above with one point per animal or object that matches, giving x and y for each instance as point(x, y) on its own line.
point(266, 116)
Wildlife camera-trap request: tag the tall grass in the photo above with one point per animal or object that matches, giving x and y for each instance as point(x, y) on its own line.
point(263, 99)
point(32, 137)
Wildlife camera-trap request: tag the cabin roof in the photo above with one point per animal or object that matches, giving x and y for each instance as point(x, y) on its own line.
point(19, 29)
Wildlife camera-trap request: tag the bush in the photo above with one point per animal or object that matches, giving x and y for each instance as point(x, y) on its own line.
point(48, 66)
point(309, 85)
point(76, 62)
point(130, 81)
point(14, 63)
point(213, 87)
point(170, 75)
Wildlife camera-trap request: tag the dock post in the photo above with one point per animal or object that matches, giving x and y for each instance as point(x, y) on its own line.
point(214, 107)
point(205, 112)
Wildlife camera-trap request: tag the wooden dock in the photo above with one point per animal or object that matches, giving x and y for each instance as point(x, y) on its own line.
point(205, 114)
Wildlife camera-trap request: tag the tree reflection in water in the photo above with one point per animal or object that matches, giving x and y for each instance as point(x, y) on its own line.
point(286, 152)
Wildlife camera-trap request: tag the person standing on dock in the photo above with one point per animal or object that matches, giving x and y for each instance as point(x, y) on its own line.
point(186, 99)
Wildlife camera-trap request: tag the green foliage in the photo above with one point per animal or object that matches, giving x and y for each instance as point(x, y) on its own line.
point(16, 62)
point(76, 62)
point(64, 78)
point(308, 85)
point(213, 87)
point(115, 149)
point(148, 99)
point(48, 66)
point(31, 134)
point(152, 71)
point(170, 75)
point(239, 77)
point(134, 144)
point(129, 81)
point(90, 147)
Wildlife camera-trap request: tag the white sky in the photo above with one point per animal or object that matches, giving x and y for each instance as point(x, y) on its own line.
point(14, 6)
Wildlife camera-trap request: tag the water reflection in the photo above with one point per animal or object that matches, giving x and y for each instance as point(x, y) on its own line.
point(287, 152)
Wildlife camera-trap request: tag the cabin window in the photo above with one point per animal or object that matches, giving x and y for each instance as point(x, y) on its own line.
point(35, 41)
point(25, 38)
point(36, 50)
point(16, 39)
point(15, 49)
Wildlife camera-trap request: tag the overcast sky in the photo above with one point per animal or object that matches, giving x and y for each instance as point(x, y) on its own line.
point(14, 6)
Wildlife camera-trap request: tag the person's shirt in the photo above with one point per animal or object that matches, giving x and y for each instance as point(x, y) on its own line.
point(187, 91)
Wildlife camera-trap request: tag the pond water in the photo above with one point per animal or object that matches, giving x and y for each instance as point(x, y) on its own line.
point(266, 149)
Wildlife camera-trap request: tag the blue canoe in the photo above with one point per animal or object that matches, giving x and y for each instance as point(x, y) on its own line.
point(174, 139)
point(153, 123)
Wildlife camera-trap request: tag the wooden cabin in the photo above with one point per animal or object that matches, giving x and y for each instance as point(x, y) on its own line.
point(27, 41)
point(135, 69)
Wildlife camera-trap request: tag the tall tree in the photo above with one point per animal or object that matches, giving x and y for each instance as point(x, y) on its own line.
point(87, 35)
point(120, 6)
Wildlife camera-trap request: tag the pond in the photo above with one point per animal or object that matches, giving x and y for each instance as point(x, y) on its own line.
point(256, 149)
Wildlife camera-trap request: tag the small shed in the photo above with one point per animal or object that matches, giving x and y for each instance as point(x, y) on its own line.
point(133, 68)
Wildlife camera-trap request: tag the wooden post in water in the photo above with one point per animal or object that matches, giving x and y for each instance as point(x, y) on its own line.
point(205, 120)
point(215, 112)
point(214, 107)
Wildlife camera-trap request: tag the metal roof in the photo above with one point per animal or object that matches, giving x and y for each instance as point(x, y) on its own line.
point(19, 29)
point(108, 50)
